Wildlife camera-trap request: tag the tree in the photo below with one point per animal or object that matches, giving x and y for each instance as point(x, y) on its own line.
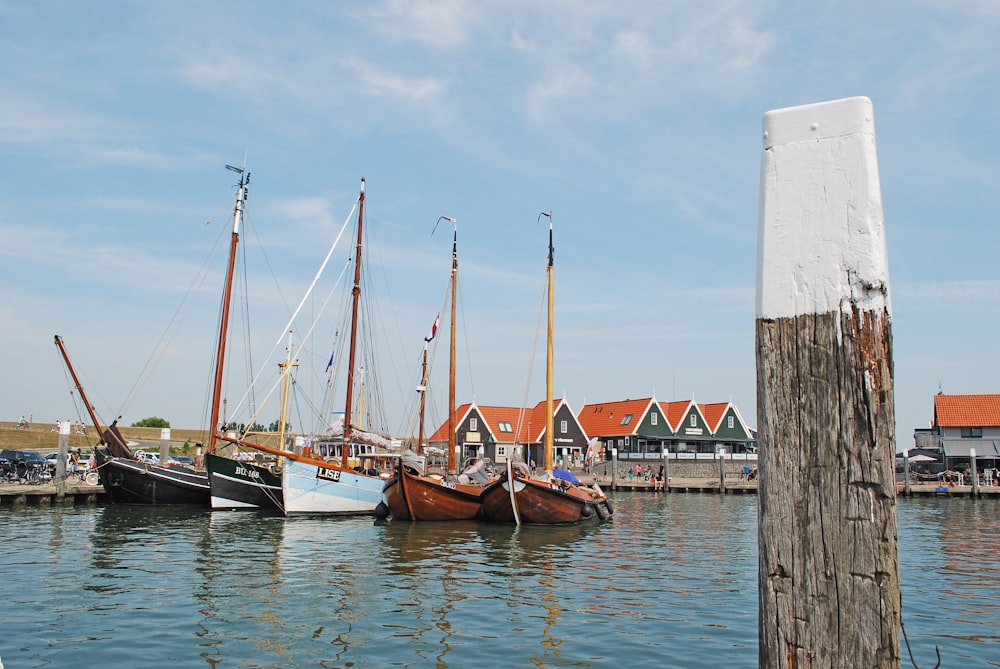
point(152, 421)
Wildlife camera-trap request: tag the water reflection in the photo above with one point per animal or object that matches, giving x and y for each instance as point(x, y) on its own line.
point(671, 581)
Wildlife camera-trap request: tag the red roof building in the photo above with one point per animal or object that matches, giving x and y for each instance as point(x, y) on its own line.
point(964, 424)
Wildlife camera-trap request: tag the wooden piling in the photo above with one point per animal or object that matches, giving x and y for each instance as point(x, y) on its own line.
point(975, 472)
point(164, 446)
point(828, 565)
point(61, 469)
point(722, 471)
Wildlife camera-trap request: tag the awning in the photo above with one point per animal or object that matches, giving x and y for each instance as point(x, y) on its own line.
point(959, 448)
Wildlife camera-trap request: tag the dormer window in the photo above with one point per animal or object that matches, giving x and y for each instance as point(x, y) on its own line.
point(505, 426)
point(627, 419)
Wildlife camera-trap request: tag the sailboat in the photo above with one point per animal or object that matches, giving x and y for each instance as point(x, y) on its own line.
point(128, 480)
point(555, 497)
point(313, 479)
point(235, 484)
point(413, 495)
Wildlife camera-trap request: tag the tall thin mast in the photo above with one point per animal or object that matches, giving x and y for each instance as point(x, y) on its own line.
point(423, 398)
point(549, 356)
point(287, 377)
point(79, 386)
point(422, 388)
point(452, 437)
point(220, 354)
point(345, 449)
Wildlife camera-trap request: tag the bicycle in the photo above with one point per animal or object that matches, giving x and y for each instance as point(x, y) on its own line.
point(88, 476)
point(37, 474)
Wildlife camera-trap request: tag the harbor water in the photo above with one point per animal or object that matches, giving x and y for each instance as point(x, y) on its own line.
point(671, 581)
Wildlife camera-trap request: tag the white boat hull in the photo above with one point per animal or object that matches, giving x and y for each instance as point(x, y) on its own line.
point(311, 489)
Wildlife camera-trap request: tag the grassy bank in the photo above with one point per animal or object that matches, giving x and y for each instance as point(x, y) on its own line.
point(42, 438)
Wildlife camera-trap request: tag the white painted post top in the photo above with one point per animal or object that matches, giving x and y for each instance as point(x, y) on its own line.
point(821, 234)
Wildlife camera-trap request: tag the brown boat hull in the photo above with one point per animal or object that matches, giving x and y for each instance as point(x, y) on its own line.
point(414, 497)
point(540, 503)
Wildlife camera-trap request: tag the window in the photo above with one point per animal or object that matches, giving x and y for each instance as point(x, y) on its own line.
point(473, 424)
point(501, 452)
point(504, 426)
point(694, 421)
point(627, 419)
point(563, 426)
point(972, 432)
point(731, 422)
point(653, 417)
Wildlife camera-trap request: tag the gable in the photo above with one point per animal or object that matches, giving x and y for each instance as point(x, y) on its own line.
point(693, 424)
point(722, 429)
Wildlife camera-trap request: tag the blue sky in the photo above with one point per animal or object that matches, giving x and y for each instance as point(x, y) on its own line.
point(637, 123)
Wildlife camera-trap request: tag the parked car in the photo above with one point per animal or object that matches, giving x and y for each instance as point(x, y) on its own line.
point(185, 460)
point(146, 456)
point(29, 457)
point(54, 456)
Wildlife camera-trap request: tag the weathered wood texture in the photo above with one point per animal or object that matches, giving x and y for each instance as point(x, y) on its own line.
point(829, 579)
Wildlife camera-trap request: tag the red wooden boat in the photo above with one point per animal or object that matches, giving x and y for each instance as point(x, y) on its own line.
point(555, 497)
point(413, 495)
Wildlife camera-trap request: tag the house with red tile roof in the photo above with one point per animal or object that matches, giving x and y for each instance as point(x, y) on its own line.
point(498, 433)
point(967, 422)
point(637, 427)
point(643, 429)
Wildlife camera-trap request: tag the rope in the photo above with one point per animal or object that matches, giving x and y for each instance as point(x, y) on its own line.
point(906, 640)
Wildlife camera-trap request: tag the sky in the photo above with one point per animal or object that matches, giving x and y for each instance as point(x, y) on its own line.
point(636, 123)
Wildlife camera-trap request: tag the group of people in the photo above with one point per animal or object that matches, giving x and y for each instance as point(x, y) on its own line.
point(990, 477)
point(748, 473)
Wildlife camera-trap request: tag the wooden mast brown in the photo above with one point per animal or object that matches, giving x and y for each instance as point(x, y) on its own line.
point(345, 448)
point(828, 574)
point(452, 435)
point(423, 398)
point(549, 353)
point(220, 353)
point(79, 386)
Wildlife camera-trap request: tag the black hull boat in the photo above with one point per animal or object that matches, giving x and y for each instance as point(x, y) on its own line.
point(243, 485)
point(130, 481)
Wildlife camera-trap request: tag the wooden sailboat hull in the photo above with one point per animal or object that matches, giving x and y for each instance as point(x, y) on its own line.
point(134, 482)
point(414, 497)
point(308, 488)
point(242, 485)
point(538, 502)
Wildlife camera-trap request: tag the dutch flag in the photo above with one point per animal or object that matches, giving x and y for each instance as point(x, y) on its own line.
point(434, 329)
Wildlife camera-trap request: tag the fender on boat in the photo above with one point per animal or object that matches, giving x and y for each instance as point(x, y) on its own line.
point(601, 512)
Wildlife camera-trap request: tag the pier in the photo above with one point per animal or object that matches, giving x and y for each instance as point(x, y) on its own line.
point(47, 494)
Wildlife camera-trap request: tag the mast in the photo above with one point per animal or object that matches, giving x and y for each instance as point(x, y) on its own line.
point(79, 386)
point(549, 356)
point(422, 389)
point(284, 366)
point(345, 447)
point(220, 354)
point(452, 437)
